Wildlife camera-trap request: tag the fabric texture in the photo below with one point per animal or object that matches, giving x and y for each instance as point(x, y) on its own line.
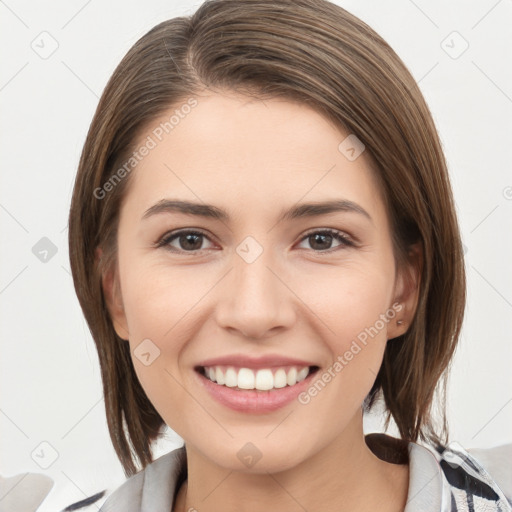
point(24, 492)
point(441, 479)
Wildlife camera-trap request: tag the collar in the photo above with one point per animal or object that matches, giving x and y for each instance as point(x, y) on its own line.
point(155, 487)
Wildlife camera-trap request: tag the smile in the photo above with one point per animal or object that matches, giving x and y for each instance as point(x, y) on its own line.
point(256, 391)
point(263, 379)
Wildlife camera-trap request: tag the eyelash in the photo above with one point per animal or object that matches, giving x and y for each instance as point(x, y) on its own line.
point(344, 240)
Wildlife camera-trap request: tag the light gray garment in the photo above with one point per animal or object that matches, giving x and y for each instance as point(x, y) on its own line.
point(441, 479)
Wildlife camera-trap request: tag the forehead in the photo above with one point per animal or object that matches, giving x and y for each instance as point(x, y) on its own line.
point(242, 152)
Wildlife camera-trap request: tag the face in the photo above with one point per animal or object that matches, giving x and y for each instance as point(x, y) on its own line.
point(255, 289)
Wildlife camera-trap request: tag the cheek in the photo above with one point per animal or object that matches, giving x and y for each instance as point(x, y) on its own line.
point(157, 300)
point(352, 309)
point(161, 304)
point(347, 300)
point(156, 306)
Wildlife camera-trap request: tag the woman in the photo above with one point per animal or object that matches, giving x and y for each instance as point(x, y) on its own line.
point(263, 241)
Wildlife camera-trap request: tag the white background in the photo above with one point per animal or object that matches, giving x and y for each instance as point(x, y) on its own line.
point(50, 381)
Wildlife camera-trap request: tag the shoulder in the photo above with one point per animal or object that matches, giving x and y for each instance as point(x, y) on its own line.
point(497, 462)
point(153, 488)
point(477, 478)
point(126, 497)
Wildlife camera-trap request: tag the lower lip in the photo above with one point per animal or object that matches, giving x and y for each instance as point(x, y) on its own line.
point(254, 401)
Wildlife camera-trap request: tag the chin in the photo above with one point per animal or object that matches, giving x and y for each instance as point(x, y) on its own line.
point(259, 456)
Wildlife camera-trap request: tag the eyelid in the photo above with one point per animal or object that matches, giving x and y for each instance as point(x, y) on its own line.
point(343, 238)
point(327, 230)
point(165, 239)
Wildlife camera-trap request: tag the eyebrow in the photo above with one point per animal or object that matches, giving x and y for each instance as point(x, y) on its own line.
point(303, 210)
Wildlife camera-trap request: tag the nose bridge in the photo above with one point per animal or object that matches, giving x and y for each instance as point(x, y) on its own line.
point(254, 300)
point(254, 285)
point(253, 280)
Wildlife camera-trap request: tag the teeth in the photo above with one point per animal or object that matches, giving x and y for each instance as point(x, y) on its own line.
point(291, 378)
point(280, 379)
point(245, 378)
point(302, 374)
point(263, 380)
point(219, 376)
point(231, 379)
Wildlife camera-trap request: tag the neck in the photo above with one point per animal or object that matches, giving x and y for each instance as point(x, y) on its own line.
point(343, 475)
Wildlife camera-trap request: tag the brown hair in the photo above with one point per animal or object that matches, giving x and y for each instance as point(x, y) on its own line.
point(314, 52)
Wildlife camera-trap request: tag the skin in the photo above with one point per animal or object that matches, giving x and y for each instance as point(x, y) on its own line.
point(254, 159)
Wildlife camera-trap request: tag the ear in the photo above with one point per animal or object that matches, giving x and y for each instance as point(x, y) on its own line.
point(113, 297)
point(406, 291)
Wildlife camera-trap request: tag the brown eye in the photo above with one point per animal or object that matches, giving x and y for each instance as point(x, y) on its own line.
point(322, 240)
point(184, 241)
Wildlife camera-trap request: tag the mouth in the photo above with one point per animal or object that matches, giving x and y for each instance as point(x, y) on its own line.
point(255, 385)
point(259, 379)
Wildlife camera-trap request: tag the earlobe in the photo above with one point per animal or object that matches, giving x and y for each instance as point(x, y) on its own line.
point(407, 288)
point(113, 297)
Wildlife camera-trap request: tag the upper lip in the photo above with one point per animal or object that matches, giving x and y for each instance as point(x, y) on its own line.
point(268, 361)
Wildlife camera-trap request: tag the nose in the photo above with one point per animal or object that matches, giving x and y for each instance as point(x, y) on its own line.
point(255, 299)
